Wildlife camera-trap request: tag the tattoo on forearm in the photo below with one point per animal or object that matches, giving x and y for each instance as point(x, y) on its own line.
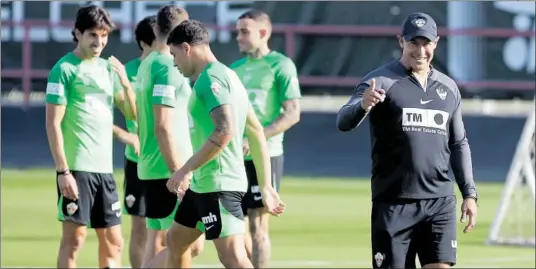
point(214, 142)
point(222, 118)
point(288, 118)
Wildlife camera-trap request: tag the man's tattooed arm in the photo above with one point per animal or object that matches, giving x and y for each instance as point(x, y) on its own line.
point(222, 117)
point(287, 119)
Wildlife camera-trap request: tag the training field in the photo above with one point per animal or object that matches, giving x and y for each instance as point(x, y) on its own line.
point(326, 225)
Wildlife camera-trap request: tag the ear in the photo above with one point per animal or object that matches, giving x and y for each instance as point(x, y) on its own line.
point(155, 30)
point(144, 46)
point(78, 34)
point(263, 32)
point(400, 41)
point(187, 48)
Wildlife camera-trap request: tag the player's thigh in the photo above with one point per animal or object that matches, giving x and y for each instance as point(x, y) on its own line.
point(392, 228)
point(187, 214)
point(439, 241)
point(160, 204)
point(78, 211)
point(133, 191)
point(221, 213)
point(106, 210)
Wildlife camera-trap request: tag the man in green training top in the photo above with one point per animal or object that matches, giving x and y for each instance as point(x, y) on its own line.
point(163, 127)
point(221, 115)
point(80, 95)
point(271, 80)
point(134, 196)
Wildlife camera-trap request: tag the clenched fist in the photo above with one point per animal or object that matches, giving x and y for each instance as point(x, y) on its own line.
point(372, 96)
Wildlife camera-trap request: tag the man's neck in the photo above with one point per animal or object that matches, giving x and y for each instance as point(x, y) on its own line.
point(259, 53)
point(161, 47)
point(80, 54)
point(145, 53)
point(203, 60)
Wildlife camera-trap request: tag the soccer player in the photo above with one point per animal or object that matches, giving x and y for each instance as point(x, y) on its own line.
point(221, 114)
point(271, 80)
point(164, 132)
point(134, 197)
point(416, 127)
point(81, 91)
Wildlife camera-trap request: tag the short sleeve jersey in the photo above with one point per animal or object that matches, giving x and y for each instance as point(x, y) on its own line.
point(270, 81)
point(86, 88)
point(159, 82)
point(218, 85)
point(132, 126)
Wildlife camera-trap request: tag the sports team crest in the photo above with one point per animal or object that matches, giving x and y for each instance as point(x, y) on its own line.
point(215, 87)
point(130, 200)
point(379, 259)
point(442, 93)
point(71, 208)
point(419, 22)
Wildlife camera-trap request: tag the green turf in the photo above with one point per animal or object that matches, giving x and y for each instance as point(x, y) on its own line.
point(326, 225)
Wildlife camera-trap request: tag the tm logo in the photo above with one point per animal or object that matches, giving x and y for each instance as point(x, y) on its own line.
point(519, 52)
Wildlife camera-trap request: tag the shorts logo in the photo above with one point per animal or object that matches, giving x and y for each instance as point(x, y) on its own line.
point(454, 243)
point(256, 191)
point(71, 208)
point(424, 120)
point(211, 218)
point(378, 258)
point(116, 206)
point(130, 200)
point(442, 93)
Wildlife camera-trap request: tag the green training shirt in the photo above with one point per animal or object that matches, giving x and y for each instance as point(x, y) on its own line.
point(270, 81)
point(86, 88)
point(159, 82)
point(219, 85)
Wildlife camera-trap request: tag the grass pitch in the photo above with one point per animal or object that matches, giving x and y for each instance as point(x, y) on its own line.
point(326, 225)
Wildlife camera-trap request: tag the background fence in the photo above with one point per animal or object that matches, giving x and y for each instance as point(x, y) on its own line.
point(332, 51)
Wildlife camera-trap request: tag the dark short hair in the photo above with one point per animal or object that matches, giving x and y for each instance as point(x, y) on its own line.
point(189, 31)
point(256, 15)
point(168, 17)
point(91, 17)
point(144, 31)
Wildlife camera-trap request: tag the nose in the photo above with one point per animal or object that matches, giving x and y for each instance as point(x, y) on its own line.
point(99, 40)
point(420, 50)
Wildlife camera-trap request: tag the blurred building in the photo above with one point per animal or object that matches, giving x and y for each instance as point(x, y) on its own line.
point(488, 47)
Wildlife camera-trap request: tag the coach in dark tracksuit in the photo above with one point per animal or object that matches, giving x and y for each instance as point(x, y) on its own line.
point(416, 131)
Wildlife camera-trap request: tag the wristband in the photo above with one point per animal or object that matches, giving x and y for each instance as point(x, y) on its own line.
point(63, 172)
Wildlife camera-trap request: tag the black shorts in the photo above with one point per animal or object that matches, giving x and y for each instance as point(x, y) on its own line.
point(159, 201)
point(406, 229)
point(219, 212)
point(98, 204)
point(253, 199)
point(134, 191)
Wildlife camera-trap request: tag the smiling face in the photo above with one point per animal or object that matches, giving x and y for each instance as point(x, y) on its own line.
point(92, 41)
point(418, 52)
